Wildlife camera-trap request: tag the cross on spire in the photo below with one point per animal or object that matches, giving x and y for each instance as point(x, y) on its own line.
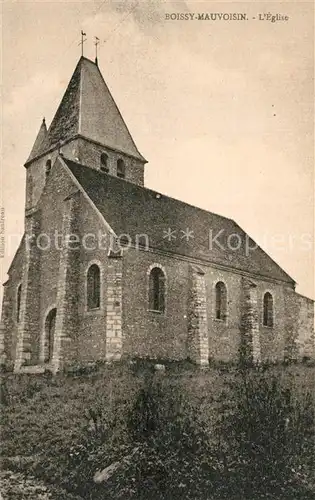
point(96, 43)
point(82, 41)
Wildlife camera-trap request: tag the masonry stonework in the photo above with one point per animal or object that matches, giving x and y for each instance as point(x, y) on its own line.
point(152, 334)
point(27, 346)
point(198, 342)
point(114, 338)
point(6, 324)
point(305, 338)
point(250, 343)
point(65, 339)
point(73, 196)
point(89, 153)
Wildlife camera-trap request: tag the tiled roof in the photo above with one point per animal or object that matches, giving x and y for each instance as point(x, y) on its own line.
point(134, 210)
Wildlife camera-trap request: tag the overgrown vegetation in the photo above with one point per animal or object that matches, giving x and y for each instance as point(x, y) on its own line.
point(184, 433)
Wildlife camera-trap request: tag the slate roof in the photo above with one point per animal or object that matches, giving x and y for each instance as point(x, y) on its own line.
point(88, 108)
point(135, 210)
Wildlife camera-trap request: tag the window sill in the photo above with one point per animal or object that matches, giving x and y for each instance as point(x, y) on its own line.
point(269, 327)
point(97, 311)
point(154, 311)
point(220, 320)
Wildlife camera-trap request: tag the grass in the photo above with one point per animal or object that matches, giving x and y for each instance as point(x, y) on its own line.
point(215, 434)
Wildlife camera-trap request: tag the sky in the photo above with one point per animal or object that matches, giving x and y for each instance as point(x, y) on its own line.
point(222, 110)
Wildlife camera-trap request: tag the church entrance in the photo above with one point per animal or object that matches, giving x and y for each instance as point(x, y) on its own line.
point(50, 334)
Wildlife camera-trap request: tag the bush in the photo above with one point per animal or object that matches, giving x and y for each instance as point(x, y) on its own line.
point(182, 433)
point(269, 437)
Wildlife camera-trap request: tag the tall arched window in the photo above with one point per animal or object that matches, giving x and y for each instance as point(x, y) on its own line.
point(104, 163)
point(48, 167)
point(93, 287)
point(18, 302)
point(121, 169)
point(157, 290)
point(50, 324)
point(268, 310)
point(220, 301)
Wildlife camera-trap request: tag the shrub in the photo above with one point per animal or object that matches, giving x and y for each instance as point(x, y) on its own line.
point(210, 435)
point(269, 435)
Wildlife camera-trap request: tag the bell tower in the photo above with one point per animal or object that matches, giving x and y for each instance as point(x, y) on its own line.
point(87, 128)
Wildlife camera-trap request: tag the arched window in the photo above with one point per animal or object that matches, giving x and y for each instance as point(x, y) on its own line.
point(157, 290)
point(50, 324)
point(48, 167)
point(268, 310)
point(18, 302)
point(93, 287)
point(220, 301)
point(121, 169)
point(104, 163)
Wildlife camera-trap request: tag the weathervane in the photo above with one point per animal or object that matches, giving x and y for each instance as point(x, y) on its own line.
point(82, 41)
point(96, 43)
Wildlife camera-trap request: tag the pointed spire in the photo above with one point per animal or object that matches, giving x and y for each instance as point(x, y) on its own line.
point(88, 109)
point(39, 141)
point(96, 43)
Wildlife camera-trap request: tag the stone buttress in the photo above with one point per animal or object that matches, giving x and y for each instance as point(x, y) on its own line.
point(66, 329)
point(198, 343)
point(27, 346)
point(250, 341)
point(114, 338)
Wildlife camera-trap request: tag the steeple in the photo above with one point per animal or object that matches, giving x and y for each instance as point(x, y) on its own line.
point(39, 144)
point(88, 110)
point(87, 128)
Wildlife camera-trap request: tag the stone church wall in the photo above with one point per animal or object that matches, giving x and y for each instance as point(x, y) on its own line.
point(154, 334)
point(87, 329)
point(157, 335)
point(272, 339)
point(28, 333)
point(89, 153)
point(36, 178)
point(92, 332)
point(9, 323)
point(88, 341)
point(305, 328)
point(224, 335)
point(51, 224)
point(131, 328)
point(197, 335)
point(49, 243)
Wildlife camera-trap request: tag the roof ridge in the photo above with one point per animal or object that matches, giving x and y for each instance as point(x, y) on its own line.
point(117, 107)
point(80, 96)
point(39, 143)
point(133, 209)
point(145, 188)
point(57, 131)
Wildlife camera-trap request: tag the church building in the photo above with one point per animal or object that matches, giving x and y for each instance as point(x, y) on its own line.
point(108, 269)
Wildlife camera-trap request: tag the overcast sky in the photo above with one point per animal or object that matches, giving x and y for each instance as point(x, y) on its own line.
point(223, 110)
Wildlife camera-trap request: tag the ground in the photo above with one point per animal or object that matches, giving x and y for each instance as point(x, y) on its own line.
point(178, 432)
